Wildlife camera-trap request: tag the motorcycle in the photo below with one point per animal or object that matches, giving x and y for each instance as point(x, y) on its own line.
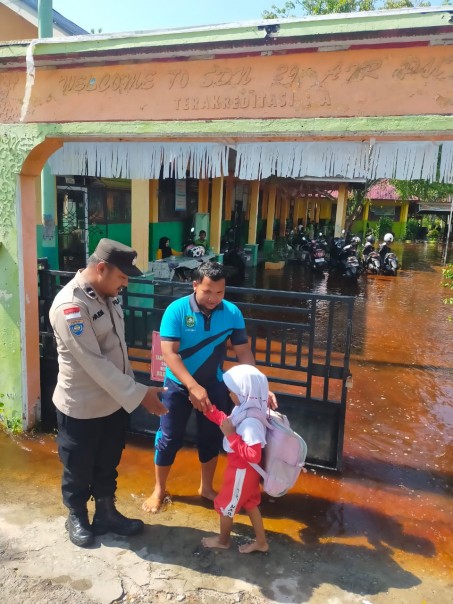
point(233, 259)
point(390, 265)
point(343, 257)
point(389, 262)
point(297, 244)
point(316, 257)
point(371, 260)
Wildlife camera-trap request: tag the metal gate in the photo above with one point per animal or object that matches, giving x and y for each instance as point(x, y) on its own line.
point(72, 209)
point(82, 222)
point(301, 341)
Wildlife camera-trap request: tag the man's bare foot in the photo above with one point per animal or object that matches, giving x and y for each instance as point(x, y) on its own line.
point(254, 546)
point(215, 542)
point(207, 493)
point(154, 503)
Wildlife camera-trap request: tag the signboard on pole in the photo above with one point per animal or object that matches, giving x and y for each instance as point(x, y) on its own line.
point(180, 196)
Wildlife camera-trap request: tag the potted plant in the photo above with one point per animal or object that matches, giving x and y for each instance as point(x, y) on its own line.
point(277, 257)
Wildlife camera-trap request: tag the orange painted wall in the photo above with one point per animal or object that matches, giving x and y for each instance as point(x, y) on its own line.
point(354, 83)
point(14, 27)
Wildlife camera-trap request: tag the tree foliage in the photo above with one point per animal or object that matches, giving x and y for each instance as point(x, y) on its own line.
point(356, 202)
point(447, 274)
point(423, 190)
point(293, 8)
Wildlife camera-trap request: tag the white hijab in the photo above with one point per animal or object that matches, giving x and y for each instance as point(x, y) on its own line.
point(252, 389)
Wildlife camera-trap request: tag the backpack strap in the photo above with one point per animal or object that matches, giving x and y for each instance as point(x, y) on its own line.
point(259, 469)
point(256, 414)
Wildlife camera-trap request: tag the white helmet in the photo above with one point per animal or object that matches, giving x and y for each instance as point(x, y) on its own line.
point(388, 238)
point(197, 251)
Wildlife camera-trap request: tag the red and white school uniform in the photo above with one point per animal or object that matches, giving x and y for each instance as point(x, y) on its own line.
point(241, 483)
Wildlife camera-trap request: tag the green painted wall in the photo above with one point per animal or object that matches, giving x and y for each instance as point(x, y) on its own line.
point(399, 229)
point(175, 231)
point(120, 232)
point(15, 144)
point(51, 253)
point(39, 249)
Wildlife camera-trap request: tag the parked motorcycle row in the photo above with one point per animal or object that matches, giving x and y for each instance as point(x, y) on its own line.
point(341, 254)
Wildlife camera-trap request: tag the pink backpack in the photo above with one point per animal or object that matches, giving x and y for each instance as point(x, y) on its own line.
point(284, 455)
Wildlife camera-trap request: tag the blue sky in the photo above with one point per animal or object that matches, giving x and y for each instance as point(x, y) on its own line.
point(139, 15)
point(136, 15)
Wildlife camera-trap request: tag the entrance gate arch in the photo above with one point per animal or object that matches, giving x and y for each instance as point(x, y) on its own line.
point(381, 77)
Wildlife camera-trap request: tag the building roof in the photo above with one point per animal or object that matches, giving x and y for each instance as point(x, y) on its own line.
point(386, 29)
point(384, 190)
point(434, 208)
point(28, 9)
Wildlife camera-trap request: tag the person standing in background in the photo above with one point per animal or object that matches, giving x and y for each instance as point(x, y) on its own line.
point(194, 332)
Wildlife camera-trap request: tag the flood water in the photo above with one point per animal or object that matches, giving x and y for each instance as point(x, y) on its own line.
point(394, 495)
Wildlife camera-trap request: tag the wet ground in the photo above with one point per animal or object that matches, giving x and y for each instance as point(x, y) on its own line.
point(379, 532)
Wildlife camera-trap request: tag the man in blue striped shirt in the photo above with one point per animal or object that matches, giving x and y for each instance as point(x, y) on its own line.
point(194, 334)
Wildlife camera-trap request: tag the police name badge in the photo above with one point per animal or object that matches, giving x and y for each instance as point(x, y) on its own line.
point(74, 318)
point(190, 321)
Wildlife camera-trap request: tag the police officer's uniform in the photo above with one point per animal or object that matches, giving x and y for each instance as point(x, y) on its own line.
point(96, 386)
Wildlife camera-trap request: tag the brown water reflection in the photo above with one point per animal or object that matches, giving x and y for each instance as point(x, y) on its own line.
point(394, 495)
point(399, 424)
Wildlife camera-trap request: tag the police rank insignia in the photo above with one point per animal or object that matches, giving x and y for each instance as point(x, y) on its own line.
point(74, 318)
point(190, 321)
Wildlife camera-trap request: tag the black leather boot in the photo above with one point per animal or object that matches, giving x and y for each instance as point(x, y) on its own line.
point(107, 519)
point(78, 527)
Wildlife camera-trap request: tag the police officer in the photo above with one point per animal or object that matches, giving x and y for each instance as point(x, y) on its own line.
point(95, 390)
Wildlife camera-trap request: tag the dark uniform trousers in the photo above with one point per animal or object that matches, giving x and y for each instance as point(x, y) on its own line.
point(90, 451)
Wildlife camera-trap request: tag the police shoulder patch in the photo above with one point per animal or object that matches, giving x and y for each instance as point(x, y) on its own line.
point(76, 328)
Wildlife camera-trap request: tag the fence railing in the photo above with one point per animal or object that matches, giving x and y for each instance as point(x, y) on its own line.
point(301, 341)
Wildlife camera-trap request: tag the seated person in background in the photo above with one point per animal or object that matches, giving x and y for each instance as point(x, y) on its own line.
point(164, 250)
point(202, 240)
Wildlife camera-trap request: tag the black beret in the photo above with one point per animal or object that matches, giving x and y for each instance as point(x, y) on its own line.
point(120, 255)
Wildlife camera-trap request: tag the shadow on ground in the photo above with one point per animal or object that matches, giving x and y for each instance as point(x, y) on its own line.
point(289, 569)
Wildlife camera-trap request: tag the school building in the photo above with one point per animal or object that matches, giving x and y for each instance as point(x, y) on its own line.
point(130, 135)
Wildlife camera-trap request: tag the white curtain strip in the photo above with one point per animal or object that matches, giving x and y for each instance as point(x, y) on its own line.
point(399, 160)
point(293, 160)
point(446, 163)
point(141, 160)
point(404, 161)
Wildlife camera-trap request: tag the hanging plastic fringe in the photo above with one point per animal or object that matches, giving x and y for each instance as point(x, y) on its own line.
point(446, 163)
point(141, 160)
point(293, 160)
point(400, 160)
point(404, 161)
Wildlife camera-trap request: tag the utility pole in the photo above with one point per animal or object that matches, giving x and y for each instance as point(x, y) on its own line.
point(447, 243)
point(45, 19)
point(48, 241)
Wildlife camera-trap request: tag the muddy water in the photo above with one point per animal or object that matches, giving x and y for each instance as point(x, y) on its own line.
point(393, 499)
